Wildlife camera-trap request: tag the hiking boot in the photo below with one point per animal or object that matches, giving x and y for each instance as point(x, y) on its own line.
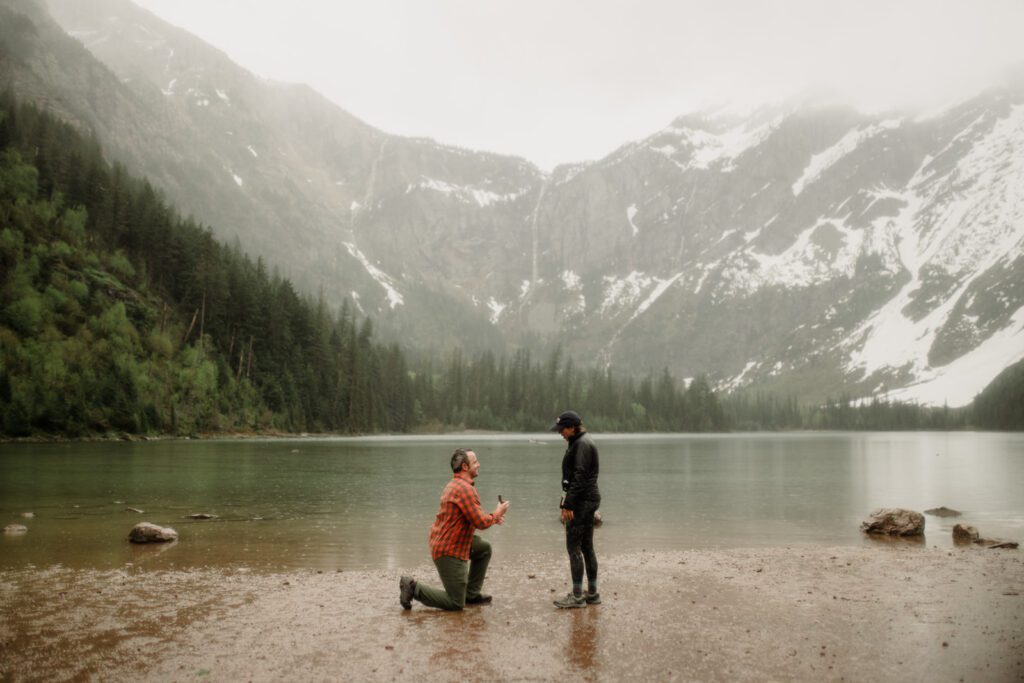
point(592, 598)
point(570, 601)
point(479, 600)
point(407, 590)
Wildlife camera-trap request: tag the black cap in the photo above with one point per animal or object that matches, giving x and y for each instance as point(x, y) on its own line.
point(569, 418)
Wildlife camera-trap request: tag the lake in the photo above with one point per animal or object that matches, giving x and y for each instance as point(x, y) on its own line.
point(355, 503)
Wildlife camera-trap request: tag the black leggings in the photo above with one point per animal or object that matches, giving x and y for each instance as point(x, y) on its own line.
point(579, 541)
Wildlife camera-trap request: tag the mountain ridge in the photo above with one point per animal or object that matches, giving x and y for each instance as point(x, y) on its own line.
point(787, 248)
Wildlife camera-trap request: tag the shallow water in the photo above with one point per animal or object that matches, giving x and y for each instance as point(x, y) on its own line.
point(369, 502)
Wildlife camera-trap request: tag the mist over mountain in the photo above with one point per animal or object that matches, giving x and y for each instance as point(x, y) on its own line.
point(803, 247)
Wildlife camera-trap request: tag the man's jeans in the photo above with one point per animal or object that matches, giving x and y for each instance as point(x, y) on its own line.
point(461, 579)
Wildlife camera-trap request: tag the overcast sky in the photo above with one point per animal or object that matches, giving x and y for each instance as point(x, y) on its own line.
point(567, 80)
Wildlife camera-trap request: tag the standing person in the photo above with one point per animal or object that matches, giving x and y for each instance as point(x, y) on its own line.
point(461, 557)
point(582, 498)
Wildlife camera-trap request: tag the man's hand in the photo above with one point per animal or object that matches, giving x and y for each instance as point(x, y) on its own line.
point(566, 515)
point(499, 512)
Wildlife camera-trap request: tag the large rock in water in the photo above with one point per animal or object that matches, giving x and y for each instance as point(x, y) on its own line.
point(964, 533)
point(144, 532)
point(894, 522)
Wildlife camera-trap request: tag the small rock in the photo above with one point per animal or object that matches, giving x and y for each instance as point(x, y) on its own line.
point(15, 529)
point(133, 510)
point(531, 576)
point(28, 515)
point(202, 515)
point(145, 532)
point(943, 512)
point(964, 533)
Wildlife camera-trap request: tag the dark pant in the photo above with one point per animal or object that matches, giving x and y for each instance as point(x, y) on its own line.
point(579, 541)
point(461, 579)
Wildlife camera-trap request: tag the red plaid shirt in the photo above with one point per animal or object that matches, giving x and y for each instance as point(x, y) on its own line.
point(458, 516)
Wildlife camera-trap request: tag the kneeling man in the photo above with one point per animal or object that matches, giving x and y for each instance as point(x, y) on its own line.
point(461, 557)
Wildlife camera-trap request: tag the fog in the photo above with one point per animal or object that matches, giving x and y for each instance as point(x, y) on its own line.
point(572, 80)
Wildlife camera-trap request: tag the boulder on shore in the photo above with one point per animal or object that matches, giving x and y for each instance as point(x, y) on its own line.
point(144, 532)
point(894, 522)
point(964, 533)
point(943, 512)
point(15, 529)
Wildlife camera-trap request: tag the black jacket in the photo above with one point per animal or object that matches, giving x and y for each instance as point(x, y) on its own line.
point(579, 473)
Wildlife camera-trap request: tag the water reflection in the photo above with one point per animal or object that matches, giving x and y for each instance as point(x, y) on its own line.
point(584, 639)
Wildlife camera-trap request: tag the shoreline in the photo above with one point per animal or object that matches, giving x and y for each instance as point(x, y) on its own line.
point(886, 612)
point(274, 434)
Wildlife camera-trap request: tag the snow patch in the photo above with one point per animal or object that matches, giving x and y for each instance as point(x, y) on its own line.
point(740, 379)
point(464, 193)
point(707, 148)
point(630, 214)
point(496, 309)
point(394, 297)
point(573, 283)
point(822, 161)
point(626, 292)
point(959, 382)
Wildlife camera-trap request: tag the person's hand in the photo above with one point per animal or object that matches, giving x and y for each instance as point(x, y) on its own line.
point(566, 515)
point(499, 512)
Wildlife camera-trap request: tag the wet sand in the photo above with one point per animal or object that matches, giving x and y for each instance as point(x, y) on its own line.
point(882, 612)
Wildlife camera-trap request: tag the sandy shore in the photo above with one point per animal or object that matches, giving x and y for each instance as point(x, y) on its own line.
point(885, 612)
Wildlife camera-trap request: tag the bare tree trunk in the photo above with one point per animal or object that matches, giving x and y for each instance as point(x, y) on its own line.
point(202, 323)
point(191, 325)
point(248, 369)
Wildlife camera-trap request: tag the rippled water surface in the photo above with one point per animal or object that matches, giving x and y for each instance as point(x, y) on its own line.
point(369, 502)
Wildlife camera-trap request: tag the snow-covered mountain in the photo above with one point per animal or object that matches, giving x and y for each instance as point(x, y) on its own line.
point(802, 247)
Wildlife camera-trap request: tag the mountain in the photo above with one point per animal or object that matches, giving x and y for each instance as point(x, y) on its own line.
point(803, 247)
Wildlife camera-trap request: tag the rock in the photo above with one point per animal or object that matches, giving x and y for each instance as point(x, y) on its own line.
point(202, 515)
point(963, 533)
point(597, 518)
point(15, 529)
point(28, 515)
point(144, 532)
point(1009, 545)
point(133, 510)
point(943, 512)
point(894, 522)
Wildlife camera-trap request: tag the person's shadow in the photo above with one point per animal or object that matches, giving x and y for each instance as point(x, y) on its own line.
point(584, 638)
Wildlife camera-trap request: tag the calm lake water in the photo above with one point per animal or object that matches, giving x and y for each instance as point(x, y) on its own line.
point(369, 502)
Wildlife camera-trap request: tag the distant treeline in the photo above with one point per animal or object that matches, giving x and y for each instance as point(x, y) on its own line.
point(117, 315)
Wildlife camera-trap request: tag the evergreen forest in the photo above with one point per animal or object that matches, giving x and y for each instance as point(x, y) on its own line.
point(118, 316)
